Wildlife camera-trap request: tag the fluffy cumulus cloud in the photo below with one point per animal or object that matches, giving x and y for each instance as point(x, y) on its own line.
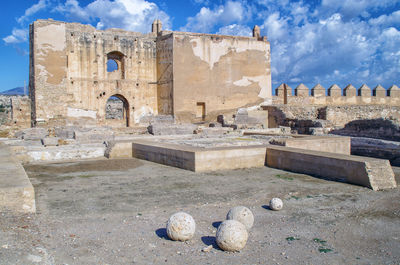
point(231, 12)
point(42, 4)
point(235, 29)
point(134, 15)
point(19, 35)
point(333, 42)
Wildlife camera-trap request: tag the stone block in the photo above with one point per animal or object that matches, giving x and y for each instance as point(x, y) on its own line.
point(93, 135)
point(171, 129)
point(118, 149)
point(50, 141)
point(65, 132)
point(163, 119)
point(34, 133)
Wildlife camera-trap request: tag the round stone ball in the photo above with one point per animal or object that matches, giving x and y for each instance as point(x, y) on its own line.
point(241, 214)
point(181, 226)
point(276, 204)
point(231, 235)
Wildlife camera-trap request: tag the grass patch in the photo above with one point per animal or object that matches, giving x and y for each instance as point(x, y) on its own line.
point(283, 177)
point(324, 250)
point(320, 241)
point(295, 197)
point(292, 238)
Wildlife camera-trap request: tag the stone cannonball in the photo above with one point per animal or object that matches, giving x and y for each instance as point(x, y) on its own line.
point(231, 235)
point(181, 226)
point(276, 204)
point(241, 214)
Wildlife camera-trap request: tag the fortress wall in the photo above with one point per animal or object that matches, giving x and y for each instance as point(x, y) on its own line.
point(69, 71)
point(333, 96)
point(213, 74)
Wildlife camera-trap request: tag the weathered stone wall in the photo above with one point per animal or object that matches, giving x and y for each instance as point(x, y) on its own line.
point(213, 74)
point(21, 112)
point(5, 109)
point(15, 111)
point(165, 74)
point(70, 77)
point(189, 75)
point(334, 96)
point(375, 121)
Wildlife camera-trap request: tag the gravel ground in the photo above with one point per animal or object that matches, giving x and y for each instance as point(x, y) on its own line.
point(115, 211)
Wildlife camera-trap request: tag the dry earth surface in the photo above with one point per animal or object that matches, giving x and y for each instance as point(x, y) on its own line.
point(115, 211)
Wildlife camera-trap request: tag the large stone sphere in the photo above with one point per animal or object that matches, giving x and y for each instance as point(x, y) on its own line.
point(181, 226)
point(276, 204)
point(241, 214)
point(231, 235)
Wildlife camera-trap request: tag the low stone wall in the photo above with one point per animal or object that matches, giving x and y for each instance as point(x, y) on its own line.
point(377, 148)
point(16, 191)
point(376, 174)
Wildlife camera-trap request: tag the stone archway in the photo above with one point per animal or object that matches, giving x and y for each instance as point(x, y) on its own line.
point(117, 111)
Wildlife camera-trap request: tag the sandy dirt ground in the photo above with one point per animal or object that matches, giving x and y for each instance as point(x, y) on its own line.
point(115, 211)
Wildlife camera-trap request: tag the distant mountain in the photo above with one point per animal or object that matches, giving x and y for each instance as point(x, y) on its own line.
point(14, 91)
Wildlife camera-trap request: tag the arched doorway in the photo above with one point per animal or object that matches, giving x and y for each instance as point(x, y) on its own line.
point(117, 111)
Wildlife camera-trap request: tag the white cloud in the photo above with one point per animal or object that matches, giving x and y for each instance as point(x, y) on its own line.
point(201, 2)
point(72, 9)
point(317, 44)
point(42, 4)
point(134, 15)
point(206, 19)
point(17, 36)
point(275, 26)
point(235, 30)
point(386, 20)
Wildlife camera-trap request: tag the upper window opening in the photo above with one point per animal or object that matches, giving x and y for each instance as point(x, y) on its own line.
point(112, 65)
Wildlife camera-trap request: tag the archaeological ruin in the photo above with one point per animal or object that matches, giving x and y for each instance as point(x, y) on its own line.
point(193, 77)
point(122, 129)
point(200, 102)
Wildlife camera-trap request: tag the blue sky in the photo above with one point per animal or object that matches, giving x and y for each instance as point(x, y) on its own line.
point(316, 41)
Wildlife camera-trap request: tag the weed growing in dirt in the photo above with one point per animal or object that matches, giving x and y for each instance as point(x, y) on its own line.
point(324, 250)
point(283, 177)
point(320, 241)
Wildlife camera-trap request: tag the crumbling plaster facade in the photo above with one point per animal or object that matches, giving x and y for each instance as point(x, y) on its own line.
point(191, 76)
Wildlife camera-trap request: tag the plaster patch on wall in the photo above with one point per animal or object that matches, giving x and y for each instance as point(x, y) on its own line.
point(242, 82)
point(211, 51)
point(262, 80)
point(79, 113)
point(142, 112)
point(47, 39)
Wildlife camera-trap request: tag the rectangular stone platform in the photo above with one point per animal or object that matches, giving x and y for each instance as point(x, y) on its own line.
point(16, 191)
point(376, 174)
point(200, 159)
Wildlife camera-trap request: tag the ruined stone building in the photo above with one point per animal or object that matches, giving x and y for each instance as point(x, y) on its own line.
point(191, 76)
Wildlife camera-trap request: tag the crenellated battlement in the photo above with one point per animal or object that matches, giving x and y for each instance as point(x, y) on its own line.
point(335, 96)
